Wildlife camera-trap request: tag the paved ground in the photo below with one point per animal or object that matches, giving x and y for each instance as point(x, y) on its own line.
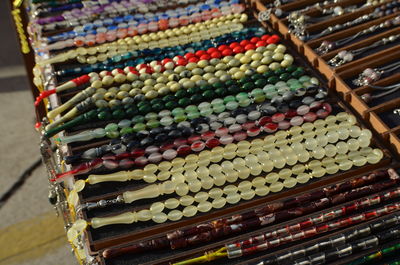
point(30, 232)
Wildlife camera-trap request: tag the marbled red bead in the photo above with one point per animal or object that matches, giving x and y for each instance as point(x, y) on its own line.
point(296, 121)
point(248, 125)
point(198, 146)
point(226, 139)
point(253, 131)
point(183, 150)
point(126, 163)
point(290, 113)
point(141, 161)
point(264, 120)
point(221, 131)
point(180, 141)
point(137, 152)
point(110, 164)
point(316, 105)
point(327, 107)
point(310, 117)
point(284, 125)
point(322, 114)
point(239, 136)
point(152, 149)
point(270, 127)
point(166, 146)
point(207, 135)
point(277, 117)
point(211, 143)
point(193, 138)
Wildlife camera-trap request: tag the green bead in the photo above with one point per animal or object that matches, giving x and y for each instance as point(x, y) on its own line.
point(233, 89)
point(156, 101)
point(244, 102)
point(248, 86)
point(261, 82)
point(139, 127)
point(208, 94)
point(229, 99)
point(193, 90)
point(292, 81)
point(273, 80)
point(304, 78)
point(279, 71)
point(111, 127)
point(219, 108)
point(220, 92)
point(158, 107)
point(291, 68)
point(183, 102)
point(205, 87)
point(151, 116)
point(142, 103)
point(230, 83)
point(112, 134)
point(153, 124)
point(131, 111)
point(259, 98)
point(217, 102)
point(196, 98)
point(193, 115)
point(271, 94)
point(206, 112)
point(181, 93)
point(218, 85)
point(171, 105)
point(295, 87)
point(242, 95)
point(257, 92)
point(268, 74)
point(145, 109)
point(104, 115)
point(138, 119)
point(269, 88)
point(126, 130)
point(118, 114)
point(177, 111)
point(284, 77)
point(256, 76)
point(168, 98)
point(180, 118)
point(298, 73)
point(191, 108)
point(244, 80)
point(232, 105)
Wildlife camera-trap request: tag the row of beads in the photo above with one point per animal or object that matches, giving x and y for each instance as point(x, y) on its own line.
point(247, 190)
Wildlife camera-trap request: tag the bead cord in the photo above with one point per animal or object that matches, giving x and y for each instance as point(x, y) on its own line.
point(327, 46)
point(152, 154)
point(147, 55)
point(294, 132)
point(167, 75)
point(201, 170)
point(345, 56)
point(335, 242)
point(382, 253)
point(312, 231)
point(376, 13)
point(369, 75)
point(233, 195)
point(353, 247)
point(198, 142)
point(177, 36)
point(132, 28)
point(189, 236)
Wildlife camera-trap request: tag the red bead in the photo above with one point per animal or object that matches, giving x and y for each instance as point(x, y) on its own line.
point(176, 58)
point(194, 60)
point(284, 125)
point(253, 131)
point(223, 47)
point(327, 107)
point(166, 60)
point(216, 54)
point(261, 43)
point(221, 131)
point(200, 53)
point(207, 135)
point(211, 50)
point(109, 157)
point(166, 147)
point(211, 143)
point(119, 70)
point(248, 125)
point(122, 156)
point(141, 161)
point(274, 39)
point(322, 114)
point(180, 141)
point(184, 150)
point(193, 139)
point(270, 127)
point(265, 37)
point(254, 40)
point(126, 163)
point(198, 146)
point(238, 49)
point(182, 62)
point(189, 55)
point(205, 57)
point(227, 52)
point(290, 113)
point(239, 136)
point(310, 117)
point(137, 152)
point(244, 43)
point(315, 106)
point(264, 120)
point(234, 44)
point(250, 46)
point(277, 117)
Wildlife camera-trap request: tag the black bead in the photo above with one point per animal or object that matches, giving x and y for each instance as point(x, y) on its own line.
point(294, 104)
point(133, 144)
point(282, 108)
point(175, 134)
point(187, 131)
point(161, 138)
point(142, 134)
point(126, 138)
point(155, 131)
point(147, 141)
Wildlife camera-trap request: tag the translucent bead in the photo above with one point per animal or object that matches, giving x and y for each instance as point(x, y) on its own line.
point(248, 194)
point(233, 198)
point(364, 141)
point(194, 185)
point(322, 140)
point(182, 189)
point(177, 177)
point(220, 179)
point(215, 193)
point(308, 126)
point(353, 144)
point(319, 124)
point(375, 156)
point(345, 165)
point(276, 187)
point(207, 183)
point(186, 200)
point(343, 133)
point(230, 189)
point(144, 215)
point(330, 150)
point(303, 178)
point(262, 191)
point(285, 173)
point(296, 130)
point(354, 131)
point(175, 215)
point(367, 133)
point(171, 203)
point(219, 203)
point(289, 182)
point(327, 161)
point(303, 156)
point(160, 218)
point(333, 136)
point(318, 152)
point(157, 207)
point(189, 211)
point(309, 134)
point(272, 177)
point(342, 116)
point(231, 175)
point(298, 169)
point(342, 147)
point(314, 164)
point(318, 172)
point(244, 185)
point(201, 196)
point(359, 161)
point(332, 168)
point(366, 150)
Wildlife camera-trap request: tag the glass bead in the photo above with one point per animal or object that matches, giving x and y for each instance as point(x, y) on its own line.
point(201, 196)
point(289, 182)
point(171, 203)
point(175, 215)
point(330, 150)
point(218, 203)
point(342, 147)
point(303, 178)
point(298, 169)
point(182, 189)
point(345, 164)
point(272, 177)
point(364, 141)
point(248, 194)
point(157, 207)
point(204, 206)
point(318, 152)
point(186, 200)
point(331, 168)
point(159, 218)
point(308, 126)
point(343, 133)
point(276, 186)
point(285, 173)
point(194, 185)
point(244, 185)
point(359, 161)
point(322, 140)
point(189, 211)
point(233, 198)
point(303, 156)
point(318, 172)
point(262, 191)
point(314, 164)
